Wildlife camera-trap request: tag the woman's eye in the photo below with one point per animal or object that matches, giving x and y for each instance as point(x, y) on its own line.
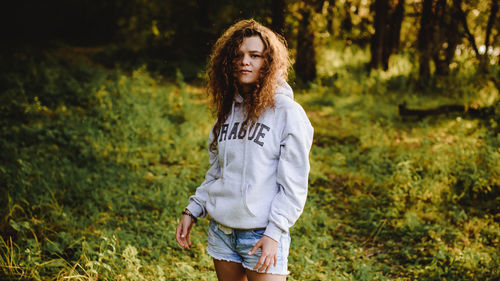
point(255, 56)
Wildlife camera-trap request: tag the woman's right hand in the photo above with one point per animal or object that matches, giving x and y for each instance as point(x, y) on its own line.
point(183, 230)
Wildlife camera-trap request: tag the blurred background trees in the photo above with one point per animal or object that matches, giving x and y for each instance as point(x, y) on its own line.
point(170, 34)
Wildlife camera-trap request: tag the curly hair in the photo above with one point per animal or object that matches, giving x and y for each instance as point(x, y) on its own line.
point(222, 85)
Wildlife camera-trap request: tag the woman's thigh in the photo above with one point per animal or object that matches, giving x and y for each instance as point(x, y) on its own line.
point(256, 276)
point(229, 271)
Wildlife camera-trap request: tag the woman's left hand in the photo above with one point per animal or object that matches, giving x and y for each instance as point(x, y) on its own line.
point(268, 256)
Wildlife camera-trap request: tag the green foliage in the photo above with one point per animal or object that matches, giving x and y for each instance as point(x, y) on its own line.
point(78, 177)
point(97, 165)
point(404, 191)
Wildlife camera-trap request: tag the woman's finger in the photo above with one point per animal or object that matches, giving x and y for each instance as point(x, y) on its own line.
point(260, 266)
point(188, 238)
point(255, 248)
point(178, 235)
point(268, 263)
point(185, 234)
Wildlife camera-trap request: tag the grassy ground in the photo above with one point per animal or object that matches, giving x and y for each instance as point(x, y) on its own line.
point(97, 165)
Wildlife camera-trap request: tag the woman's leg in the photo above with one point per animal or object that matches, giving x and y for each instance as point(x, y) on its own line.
point(229, 271)
point(255, 276)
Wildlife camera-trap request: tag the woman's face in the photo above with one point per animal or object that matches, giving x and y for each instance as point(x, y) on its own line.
point(249, 61)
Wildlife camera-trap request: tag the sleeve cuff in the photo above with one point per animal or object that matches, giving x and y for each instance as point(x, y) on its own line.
point(195, 209)
point(273, 231)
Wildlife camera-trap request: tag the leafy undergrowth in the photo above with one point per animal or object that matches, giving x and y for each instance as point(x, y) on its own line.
point(97, 165)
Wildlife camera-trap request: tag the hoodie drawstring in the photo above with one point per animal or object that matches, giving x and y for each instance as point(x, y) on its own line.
point(243, 186)
point(243, 176)
point(227, 143)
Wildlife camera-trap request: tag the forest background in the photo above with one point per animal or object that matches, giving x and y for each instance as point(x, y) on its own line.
point(104, 125)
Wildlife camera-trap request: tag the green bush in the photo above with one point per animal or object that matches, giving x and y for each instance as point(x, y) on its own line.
point(96, 165)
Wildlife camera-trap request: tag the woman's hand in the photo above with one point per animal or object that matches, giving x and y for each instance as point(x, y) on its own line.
point(183, 230)
point(268, 256)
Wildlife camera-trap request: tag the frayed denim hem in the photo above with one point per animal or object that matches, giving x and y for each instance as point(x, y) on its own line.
point(217, 257)
point(274, 273)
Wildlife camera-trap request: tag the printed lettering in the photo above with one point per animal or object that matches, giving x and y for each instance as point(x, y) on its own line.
point(243, 131)
point(256, 132)
point(234, 131)
point(261, 134)
point(223, 132)
point(256, 127)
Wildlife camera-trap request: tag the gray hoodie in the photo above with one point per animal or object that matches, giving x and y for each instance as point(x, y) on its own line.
point(258, 177)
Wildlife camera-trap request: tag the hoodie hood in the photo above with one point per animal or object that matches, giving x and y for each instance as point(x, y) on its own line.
point(284, 89)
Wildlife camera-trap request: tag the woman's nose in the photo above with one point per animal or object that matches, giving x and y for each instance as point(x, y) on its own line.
point(245, 60)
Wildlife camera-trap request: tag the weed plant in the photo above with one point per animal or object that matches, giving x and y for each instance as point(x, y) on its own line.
point(97, 164)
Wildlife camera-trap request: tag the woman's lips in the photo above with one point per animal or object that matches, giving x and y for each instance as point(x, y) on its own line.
point(245, 71)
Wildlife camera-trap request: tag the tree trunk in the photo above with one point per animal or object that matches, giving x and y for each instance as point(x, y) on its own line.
point(489, 26)
point(393, 27)
point(396, 21)
point(330, 16)
point(379, 23)
point(441, 31)
point(481, 58)
point(463, 19)
point(454, 35)
point(438, 36)
point(346, 24)
point(491, 22)
point(305, 64)
point(278, 16)
point(424, 43)
point(387, 24)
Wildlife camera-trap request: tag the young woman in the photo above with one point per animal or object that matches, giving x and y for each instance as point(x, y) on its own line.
point(256, 186)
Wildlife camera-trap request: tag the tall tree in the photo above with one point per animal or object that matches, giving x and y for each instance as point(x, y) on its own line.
point(330, 16)
point(278, 16)
point(491, 21)
point(387, 24)
point(305, 62)
point(449, 37)
point(438, 36)
point(380, 25)
point(346, 24)
point(482, 58)
point(425, 34)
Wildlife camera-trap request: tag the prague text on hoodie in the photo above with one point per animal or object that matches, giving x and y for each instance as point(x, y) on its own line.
point(258, 176)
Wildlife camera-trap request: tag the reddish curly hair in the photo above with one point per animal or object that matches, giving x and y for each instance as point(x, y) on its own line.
point(222, 86)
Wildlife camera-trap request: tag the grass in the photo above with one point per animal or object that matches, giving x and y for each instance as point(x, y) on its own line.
point(97, 165)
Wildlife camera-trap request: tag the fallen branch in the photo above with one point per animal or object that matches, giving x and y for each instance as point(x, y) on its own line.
point(482, 112)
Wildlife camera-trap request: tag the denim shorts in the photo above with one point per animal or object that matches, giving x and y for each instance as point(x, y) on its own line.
point(235, 246)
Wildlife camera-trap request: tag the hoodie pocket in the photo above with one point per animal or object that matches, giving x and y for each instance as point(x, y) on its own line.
point(245, 202)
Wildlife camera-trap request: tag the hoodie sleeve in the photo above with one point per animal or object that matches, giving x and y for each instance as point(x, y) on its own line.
point(293, 171)
point(197, 202)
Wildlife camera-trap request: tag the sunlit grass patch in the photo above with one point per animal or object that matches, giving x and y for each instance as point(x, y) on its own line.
point(95, 185)
point(419, 177)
